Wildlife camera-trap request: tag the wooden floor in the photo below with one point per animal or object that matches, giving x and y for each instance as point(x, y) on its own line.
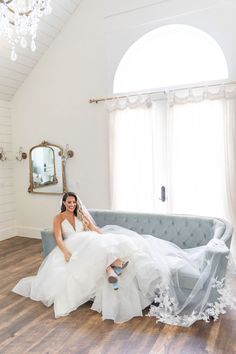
point(29, 327)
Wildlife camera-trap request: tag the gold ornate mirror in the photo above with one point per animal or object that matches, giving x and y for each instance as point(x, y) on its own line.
point(47, 169)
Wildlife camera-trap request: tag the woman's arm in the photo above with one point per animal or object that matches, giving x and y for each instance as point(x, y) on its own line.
point(58, 236)
point(91, 225)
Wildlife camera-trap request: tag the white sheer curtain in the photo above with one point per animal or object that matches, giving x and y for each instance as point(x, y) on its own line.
point(131, 159)
point(230, 163)
point(196, 142)
point(137, 147)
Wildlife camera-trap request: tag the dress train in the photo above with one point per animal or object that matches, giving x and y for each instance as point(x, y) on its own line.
point(153, 274)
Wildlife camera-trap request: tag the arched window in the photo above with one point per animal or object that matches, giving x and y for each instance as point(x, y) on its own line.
point(177, 148)
point(169, 56)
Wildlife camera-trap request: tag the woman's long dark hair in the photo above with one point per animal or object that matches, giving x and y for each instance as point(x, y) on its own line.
point(78, 210)
point(65, 196)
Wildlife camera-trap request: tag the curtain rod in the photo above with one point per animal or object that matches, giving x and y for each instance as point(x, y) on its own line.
point(168, 89)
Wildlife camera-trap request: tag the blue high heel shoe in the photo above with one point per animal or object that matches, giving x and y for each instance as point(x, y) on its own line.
point(115, 286)
point(119, 270)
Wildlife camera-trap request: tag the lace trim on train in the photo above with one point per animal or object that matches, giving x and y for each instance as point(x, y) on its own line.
point(167, 309)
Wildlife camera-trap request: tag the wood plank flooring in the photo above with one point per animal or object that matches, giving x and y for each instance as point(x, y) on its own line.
point(29, 327)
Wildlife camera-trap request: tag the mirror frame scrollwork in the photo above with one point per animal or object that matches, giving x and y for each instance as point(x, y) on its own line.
point(31, 188)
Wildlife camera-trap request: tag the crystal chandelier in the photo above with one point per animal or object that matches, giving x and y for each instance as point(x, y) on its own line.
point(19, 19)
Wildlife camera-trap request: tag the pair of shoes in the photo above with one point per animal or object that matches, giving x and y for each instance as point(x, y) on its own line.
point(118, 270)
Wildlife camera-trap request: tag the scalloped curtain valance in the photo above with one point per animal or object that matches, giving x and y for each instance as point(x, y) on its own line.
point(180, 96)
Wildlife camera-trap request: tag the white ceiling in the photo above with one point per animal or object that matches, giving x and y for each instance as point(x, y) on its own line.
point(12, 74)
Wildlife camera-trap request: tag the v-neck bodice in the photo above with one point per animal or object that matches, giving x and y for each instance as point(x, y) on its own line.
point(68, 229)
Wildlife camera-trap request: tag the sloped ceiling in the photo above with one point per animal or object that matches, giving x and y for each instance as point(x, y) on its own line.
point(13, 74)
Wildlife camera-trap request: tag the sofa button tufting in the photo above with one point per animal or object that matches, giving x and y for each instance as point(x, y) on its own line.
point(183, 232)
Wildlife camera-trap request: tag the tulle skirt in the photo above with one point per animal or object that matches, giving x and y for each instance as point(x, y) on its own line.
point(181, 283)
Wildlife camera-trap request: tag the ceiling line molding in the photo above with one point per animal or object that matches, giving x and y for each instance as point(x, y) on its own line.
point(159, 2)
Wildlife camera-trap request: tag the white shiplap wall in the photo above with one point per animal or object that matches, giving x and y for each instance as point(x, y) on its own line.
point(7, 191)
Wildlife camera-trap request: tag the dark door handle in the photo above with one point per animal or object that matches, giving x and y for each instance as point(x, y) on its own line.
point(163, 194)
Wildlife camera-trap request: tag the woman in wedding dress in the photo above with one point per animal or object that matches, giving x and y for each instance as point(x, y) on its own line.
point(122, 272)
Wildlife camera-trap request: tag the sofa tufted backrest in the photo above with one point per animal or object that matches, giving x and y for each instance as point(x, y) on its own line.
point(184, 231)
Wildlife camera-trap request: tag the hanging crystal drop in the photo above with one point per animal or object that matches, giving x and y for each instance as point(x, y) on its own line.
point(23, 42)
point(13, 55)
point(33, 46)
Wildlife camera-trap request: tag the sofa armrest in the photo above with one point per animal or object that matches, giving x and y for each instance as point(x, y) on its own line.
point(218, 252)
point(48, 241)
point(216, 245)
point(225, 234)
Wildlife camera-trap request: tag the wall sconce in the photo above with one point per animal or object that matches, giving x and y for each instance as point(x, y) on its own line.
point(21, 155)
point(66, 153)
point(3, 156)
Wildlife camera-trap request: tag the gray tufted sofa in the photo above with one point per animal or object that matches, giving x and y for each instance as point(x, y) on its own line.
point(185, 231)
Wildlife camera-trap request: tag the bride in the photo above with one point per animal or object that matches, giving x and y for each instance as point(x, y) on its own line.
point(123, 273)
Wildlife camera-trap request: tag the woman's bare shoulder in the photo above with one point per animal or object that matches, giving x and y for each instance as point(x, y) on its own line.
point(59, 218)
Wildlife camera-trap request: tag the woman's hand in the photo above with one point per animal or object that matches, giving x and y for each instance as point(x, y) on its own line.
point(97, 230)
point(67, 256)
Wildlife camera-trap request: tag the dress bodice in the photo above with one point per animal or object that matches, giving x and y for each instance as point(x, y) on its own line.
point(67, 228)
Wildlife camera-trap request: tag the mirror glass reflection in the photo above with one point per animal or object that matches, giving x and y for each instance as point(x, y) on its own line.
point(47, 169)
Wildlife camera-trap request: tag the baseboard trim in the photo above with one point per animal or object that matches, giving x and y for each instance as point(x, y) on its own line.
point(8, 233)
point(30, 232)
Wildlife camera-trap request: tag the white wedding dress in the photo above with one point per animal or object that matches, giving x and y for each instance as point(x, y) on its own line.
point(152, 274)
